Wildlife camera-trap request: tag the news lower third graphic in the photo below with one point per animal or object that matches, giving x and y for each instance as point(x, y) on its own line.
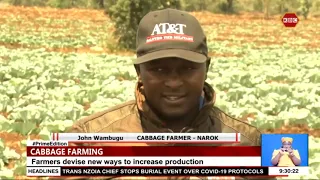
point(148, 171)
point(49, 158)
point(148, 137)
point(284, 150)
point(164, 171)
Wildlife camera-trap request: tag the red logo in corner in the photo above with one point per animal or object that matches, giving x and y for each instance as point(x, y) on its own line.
point(290, 20)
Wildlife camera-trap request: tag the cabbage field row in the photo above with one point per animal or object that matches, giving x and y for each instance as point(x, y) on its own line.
point(55, 69)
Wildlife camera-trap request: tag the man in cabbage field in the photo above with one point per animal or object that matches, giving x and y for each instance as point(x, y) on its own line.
point(171, 93)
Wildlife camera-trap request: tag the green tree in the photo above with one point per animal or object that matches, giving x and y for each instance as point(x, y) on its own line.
point(108, 4)
point(194, 5)
point(100, 3)
point(126, 15)
point(304, 8)
point(225, 6)
point(16, 2)
point(266, 8)
point(230, 6)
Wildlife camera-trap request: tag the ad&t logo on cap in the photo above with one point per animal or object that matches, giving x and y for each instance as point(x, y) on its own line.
point(169, 32)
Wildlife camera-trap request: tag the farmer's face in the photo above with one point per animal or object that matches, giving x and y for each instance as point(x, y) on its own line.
point(286, 145)
point(173, 86)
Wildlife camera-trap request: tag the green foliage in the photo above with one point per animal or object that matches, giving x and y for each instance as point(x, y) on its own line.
point(227, 6)
point(6, 155)
point(315, 7)
point(283, 6)
point(39, 88)
point(126, 15)
point(98, 4)
point(29, 2)
point(58, 3)
point(276, 6)
point(215, 6)
point(302, 7)
point(305, 8)
point(108, 4)
point(258, 5)
point(194, 5)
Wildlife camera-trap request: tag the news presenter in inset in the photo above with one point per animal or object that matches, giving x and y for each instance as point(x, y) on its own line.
point(284, 150)
point(286, 155)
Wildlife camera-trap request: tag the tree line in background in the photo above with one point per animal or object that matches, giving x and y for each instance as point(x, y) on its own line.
point(126, 14)
point(270, 7)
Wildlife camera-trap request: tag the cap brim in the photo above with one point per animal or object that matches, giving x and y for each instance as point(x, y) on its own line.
point(178, 53)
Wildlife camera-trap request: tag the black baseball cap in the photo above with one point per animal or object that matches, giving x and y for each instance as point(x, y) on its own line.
point(170, 33)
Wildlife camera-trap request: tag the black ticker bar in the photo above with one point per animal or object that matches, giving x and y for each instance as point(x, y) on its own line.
point(166, 171)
